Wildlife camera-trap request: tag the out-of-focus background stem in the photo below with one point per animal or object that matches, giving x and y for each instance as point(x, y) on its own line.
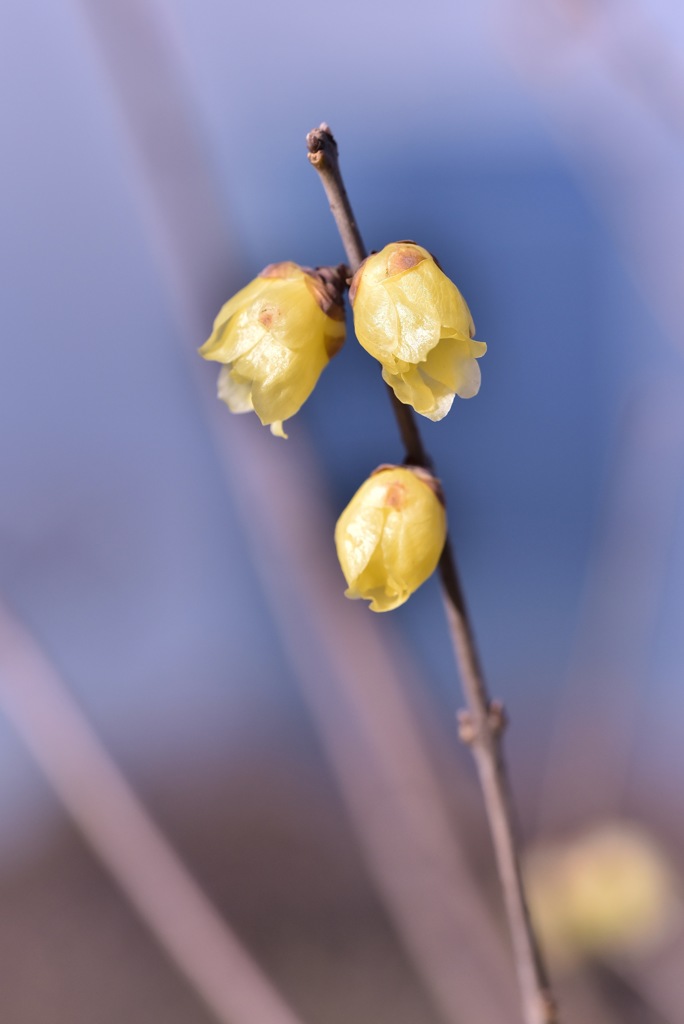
point(122, 835)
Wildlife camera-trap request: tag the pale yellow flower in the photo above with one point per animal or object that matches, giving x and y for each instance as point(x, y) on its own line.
point(275, 337)
point(391, 535)
point(609, 891)
point(414, 320)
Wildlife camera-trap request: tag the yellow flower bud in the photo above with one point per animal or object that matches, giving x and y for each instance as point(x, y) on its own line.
point(275, 337)
point(414, 320)
point(390, 536)
point(609, 891)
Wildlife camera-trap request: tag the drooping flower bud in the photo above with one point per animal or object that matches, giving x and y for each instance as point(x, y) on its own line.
point(414, 320)
point(390, 536)
point(275, 337)
point(606, 892)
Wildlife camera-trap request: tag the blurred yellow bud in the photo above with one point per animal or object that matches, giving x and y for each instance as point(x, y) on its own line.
point(275, 337)
point(609, 891)
point(414, 320)
point(390, 536)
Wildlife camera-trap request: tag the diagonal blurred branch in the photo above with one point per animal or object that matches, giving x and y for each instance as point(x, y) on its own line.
point(598, 709)
point(178, 195)
point(351, 686)
point(636, 51)
point(637, 190)
point(117, 827)
point(347, 678)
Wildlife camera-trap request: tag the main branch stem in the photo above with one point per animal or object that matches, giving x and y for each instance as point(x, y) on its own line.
point(482, 725)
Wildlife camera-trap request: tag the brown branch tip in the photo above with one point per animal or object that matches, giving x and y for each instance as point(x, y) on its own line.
point(318, 141)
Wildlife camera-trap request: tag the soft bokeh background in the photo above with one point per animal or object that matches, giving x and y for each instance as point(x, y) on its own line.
point(175, 565)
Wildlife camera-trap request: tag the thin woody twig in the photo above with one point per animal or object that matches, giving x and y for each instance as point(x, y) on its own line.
point(482, 725)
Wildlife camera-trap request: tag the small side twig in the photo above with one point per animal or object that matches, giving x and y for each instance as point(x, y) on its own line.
point(483, 724)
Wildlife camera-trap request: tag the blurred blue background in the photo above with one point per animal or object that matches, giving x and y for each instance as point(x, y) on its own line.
point(154, 162)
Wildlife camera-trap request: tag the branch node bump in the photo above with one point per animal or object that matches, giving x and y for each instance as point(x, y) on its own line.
point(469, 731)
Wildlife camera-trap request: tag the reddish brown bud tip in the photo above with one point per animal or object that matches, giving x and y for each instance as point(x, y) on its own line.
point(404, 259)
point(285, 269)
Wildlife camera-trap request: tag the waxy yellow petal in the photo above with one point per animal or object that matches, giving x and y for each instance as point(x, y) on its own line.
point(390, 536)
point(274, 338)
point(414, 320)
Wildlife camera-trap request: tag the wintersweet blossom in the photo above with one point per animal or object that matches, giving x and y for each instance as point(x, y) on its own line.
point(414, 320)
point(608, 891)
point(390, 536)
point(275, 337)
